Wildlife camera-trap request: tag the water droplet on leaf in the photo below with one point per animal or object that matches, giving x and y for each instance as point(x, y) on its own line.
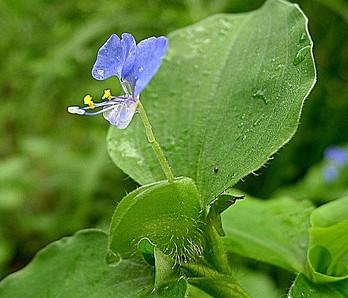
point(303, 37)
point(225, 23)
point(100, 72)
point(301, 55)
point(112, 258)
point(261, 94)
point(223, 32)
point(257, 122)
point(240, 125)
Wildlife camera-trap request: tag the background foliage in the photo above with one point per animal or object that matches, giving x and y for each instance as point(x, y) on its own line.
point(55, 175)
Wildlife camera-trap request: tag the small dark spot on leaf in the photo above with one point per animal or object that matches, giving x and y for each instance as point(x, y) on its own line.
point(216, 169)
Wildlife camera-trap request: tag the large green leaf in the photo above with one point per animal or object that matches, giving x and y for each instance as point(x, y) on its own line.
point(228, 95)
point(274, 231)
point(256, 283)
point(222, 286)
point(169, 214)
point(195, 292)
point(75, 267)
point(304, 288)
point(328, 249)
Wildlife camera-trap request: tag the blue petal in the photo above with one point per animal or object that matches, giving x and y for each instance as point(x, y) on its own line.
point(330, 173)
point(129, 48)
point(337, 155)
point(149, 55)
point(110, 59)
point(113, 56)
point(122, 113)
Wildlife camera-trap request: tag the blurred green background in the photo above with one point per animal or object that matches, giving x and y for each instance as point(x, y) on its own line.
point(55, 174)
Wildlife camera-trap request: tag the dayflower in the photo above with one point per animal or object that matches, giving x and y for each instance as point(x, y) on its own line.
point(330, 173)
point(336, 158)
point(134, 65)
point(337, 155)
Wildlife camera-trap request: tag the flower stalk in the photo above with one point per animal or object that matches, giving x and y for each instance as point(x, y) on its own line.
point(154, 144)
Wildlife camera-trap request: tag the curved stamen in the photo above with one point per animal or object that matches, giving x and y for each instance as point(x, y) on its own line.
point(105, 105)
point(99, 112)
point(76, 110)
point(109, 104)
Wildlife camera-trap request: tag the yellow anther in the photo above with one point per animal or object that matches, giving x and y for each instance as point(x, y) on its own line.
point(87, 100)
point(107, 94)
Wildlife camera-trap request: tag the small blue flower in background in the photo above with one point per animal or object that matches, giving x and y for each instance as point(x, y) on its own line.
point(337, 155)
point(134, 65)
point(336, 158)
point(330, 173)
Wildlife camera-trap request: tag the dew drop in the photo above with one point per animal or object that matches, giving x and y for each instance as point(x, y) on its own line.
point(303, 37)
point(279, 66)
point(223, 32)
point(301, 55)
point(100, 72)
point(216, 170)
point(240, 125)
point(260, 94)
point(226, 24)
point(112, 258)
point(257, 122)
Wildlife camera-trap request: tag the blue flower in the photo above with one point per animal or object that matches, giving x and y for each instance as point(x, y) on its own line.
point(336, 158)
point(337, 155)
point(330, 173)
point(134, 65)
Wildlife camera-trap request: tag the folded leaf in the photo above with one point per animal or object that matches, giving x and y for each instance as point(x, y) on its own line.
point(328, 247)
point(304, 288)
point(170, 215)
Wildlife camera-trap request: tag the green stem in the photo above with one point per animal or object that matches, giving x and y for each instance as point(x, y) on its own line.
point(216, 251)
point(154, 144)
